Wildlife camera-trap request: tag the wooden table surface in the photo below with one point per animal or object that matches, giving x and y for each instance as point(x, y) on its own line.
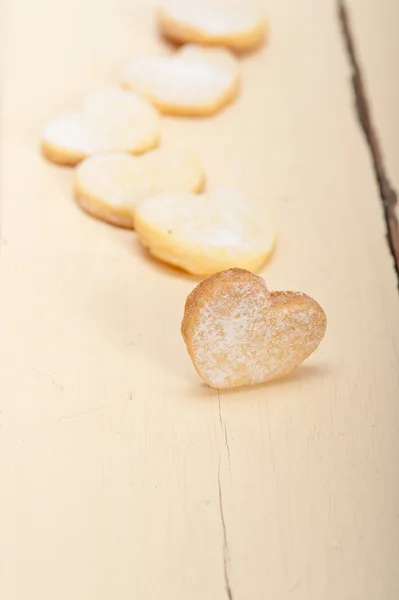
point(122, 477)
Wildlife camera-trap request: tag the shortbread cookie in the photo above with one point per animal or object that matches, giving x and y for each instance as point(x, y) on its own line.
point(194, 81)
point(206, 233)
point(238, 333)
point(110, 121)
point(107, 186)
point(206, 22)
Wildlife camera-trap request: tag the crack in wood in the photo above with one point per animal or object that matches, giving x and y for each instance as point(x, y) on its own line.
point(224, 429)
point(229, 591)
point(388, 194)
point(227, 584)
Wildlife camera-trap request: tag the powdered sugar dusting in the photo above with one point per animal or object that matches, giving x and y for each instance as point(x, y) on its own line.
point(68, 132)
point(206, 233)
point(193, 77)
point(122, 179)
point(215, 18)
point(245, 335)
point(118, 120)
point(110, 120)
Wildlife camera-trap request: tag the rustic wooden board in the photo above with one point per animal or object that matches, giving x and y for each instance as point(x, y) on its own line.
point(373, 30)
point(121, 475)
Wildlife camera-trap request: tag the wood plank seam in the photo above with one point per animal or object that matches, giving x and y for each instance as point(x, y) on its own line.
point(388, 194)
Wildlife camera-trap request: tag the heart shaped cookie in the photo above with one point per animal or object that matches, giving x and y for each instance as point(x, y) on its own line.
point(206, 233)
point(236, 26)
point(110, 121)
point(238, 333)
point(108, 186)
point(194, 81)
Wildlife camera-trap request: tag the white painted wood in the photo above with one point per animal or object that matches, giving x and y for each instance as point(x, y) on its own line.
point(121, 475)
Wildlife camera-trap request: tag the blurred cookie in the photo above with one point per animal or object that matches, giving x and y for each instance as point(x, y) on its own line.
point(235, 26)
point(108, 186)
point(206, 233)
point(194, 81)
point(110, 121)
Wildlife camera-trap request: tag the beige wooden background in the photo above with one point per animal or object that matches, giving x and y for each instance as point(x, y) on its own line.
point(122, 477)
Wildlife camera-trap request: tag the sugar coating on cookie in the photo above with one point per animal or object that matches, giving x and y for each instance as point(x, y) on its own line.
point(238, 333)
point(110, 121)
point(65, 140)
point(206, 233)
point(236, 25)
point(194, 81)
point(108, 186)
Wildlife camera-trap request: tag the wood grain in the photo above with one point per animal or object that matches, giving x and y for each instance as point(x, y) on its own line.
point(121, 475)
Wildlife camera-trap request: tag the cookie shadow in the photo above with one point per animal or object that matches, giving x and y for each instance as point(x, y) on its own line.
point(301, 375)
